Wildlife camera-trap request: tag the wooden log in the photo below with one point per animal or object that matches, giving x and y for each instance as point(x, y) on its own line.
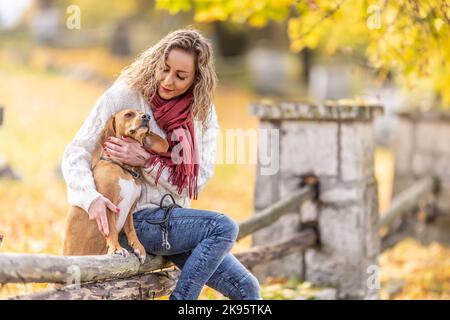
point(257, 255)
point(274, 212)
point(407, 200)
point(391, 239)
point(156, 284)
point(26, 268)
point(22, 268)
point(146, 286)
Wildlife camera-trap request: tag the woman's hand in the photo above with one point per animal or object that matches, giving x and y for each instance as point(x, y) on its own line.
point(97, 211)
point(126, 150)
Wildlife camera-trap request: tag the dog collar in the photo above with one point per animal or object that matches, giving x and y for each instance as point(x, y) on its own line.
point(135, 174)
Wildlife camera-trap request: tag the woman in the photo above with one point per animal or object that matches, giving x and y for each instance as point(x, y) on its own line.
point(173, 82)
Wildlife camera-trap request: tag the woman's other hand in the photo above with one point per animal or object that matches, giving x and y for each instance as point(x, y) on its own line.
point(97, 211)
point(126, 150)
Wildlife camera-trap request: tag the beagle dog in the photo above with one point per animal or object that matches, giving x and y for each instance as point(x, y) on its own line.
point(119, 183)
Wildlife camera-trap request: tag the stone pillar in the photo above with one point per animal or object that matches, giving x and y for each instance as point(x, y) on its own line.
point(421, 146)
point(336, 143)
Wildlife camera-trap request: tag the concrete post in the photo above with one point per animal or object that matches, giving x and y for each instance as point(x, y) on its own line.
point(336, 143)
point(421, 146)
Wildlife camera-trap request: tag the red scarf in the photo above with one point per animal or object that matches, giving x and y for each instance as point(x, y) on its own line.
point(173, 117)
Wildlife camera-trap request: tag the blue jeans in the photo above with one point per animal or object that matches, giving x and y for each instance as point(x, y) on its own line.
point(200, 243)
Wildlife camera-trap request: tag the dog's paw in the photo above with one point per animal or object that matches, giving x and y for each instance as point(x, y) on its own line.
point(140, 253)
point(123, 252)
point(139, 250)
point(120, 251)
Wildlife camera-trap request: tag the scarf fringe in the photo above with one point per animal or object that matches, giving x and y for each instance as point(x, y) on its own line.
point(176, 177)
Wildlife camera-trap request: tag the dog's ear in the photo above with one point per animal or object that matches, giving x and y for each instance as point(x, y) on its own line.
point(156, 143)
point(108, 130)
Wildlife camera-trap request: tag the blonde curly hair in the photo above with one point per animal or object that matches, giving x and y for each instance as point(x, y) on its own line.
point(141, 74)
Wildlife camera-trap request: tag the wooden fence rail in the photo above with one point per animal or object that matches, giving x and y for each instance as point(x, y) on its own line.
point(43, 268)
point(299, 241)
point(160, 283)
point(408, 200)
point(274, 212)
point(142, 285)
point(397, 219)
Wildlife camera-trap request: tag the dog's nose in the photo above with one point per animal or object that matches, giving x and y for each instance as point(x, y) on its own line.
point(145, 117)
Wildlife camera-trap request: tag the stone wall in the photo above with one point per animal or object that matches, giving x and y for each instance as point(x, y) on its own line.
point(336, 143)
point(421, 146)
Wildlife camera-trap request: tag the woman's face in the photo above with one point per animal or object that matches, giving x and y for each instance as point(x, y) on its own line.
point(178, 74)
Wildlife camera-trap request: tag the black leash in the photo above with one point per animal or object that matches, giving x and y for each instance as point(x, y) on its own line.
point(164, 222)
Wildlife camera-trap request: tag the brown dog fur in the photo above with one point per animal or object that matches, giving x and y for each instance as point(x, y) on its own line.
point(82, 236)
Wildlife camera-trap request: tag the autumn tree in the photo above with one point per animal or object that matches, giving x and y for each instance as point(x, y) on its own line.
point(406, 37)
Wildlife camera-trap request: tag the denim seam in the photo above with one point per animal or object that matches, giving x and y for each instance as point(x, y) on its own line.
point(202, 260)
point(212, 225)
point(233, 283)
point(240, 286)
point(223, 239)
point(196, 271)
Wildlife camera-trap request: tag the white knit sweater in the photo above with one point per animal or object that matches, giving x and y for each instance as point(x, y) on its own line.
point(76, 163)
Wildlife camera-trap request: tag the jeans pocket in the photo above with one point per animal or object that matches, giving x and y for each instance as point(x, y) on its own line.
point(150, 236)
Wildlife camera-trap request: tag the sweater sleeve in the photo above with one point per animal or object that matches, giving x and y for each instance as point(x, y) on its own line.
point(77, 158)
point(207, 159)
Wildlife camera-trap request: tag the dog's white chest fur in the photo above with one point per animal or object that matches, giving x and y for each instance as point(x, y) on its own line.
point(129, 192)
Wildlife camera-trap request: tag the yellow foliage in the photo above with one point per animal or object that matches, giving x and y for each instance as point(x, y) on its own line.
point(406, 37)
point(173, 6)
point(423, 271)
point(213, 13)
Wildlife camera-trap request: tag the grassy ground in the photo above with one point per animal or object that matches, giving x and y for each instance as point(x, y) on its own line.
point(43, 112)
